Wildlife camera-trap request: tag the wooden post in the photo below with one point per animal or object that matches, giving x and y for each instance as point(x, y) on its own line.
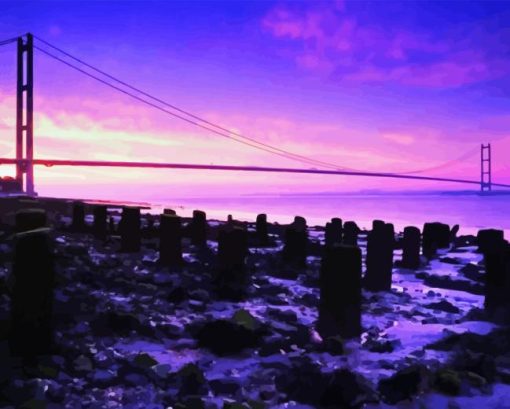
point(296, 243)
point(488, 239)
point(100, 218)
point(333, 233)
point(199, 228)
point(340, 292)
point(379, 260)
point(411, 248)
point(78, 222)
point(170, 247)
point(350, 234)
point(32, 297)
point(435, 236)
point(497, 282)
point(130, 229)
point(232, 251)
point(261, 229)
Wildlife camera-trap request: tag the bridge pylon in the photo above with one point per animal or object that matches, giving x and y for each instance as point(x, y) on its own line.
point(485, 168)
point(25, 113)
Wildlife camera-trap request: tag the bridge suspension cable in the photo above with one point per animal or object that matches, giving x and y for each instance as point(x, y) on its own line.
point(223, 131)
point(9, 41)
point(210, 126)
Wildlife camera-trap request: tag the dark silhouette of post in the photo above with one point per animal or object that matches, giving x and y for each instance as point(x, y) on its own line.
point(411, 244)
point(32, 297)
point(350, 233)
point(130, 229)
point(488, 239)
point(333, 232)
point(340, 292)
point(379, 260)
point(231, 278)
point(198, 228)
point(78, 222)
point(261, 229)
point(99, 226)
point(497, 281)
point(296, 243)
point(435, 236)
point(170, 235)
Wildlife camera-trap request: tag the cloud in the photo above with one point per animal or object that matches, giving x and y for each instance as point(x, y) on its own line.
point(332, 41)
point(401, 139)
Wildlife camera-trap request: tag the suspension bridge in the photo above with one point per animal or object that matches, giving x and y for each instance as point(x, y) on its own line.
point(25, 161)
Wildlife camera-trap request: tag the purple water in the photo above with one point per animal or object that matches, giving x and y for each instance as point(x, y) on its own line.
point(471, 212)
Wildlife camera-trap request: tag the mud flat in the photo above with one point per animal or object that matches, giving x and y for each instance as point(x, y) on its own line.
point(233, 322)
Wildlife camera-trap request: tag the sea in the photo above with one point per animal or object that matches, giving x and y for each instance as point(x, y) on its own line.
point(470, 211)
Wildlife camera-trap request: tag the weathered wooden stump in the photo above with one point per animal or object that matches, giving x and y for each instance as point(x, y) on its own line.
point(261, 229)
point(198, 228)
point(488, 239)
point(99, 227)
point(379, 260)
point(497, 281)
point(32, 296)
point(333, 233)
point(295, 243)
point(377, 224)
point(130, 230)
point(350, 234)
point(231, 277)
point(411, 244)
point(111, 225)
point(78, 220)
point(30, 219)
point(340, 292)
point(435, 236)
point(170, 235)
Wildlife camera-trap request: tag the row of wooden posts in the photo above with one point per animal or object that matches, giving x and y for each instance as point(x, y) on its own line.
point(341, 278)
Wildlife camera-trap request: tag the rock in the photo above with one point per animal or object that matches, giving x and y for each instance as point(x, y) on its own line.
point(405, 384)
point(473, 272)
point(191, 381)
point(451, 284)
point(225, 337)
point(381, 345)
point(111, 323)
point(135, 379)
point(225, 386)
point(82, 364)
point(103, 377)
point(144, 361)
point(304, 382)
point(244, 318)
point(443, 305)
point(447, 381)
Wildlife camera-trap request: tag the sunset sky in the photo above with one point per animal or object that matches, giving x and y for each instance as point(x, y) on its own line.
point(389, 86)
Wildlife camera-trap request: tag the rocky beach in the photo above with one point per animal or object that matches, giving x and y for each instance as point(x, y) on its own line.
point(142, 310)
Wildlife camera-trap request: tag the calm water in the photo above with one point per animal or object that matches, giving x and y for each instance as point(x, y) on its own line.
point(471, 212)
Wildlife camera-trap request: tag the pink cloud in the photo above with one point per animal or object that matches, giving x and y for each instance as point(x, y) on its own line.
point(336, 43)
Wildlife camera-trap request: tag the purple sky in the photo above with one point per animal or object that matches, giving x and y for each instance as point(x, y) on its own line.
point(392, 86)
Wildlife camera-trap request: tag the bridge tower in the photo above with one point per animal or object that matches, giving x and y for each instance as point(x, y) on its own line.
point(485, 168)
point(25, 113)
